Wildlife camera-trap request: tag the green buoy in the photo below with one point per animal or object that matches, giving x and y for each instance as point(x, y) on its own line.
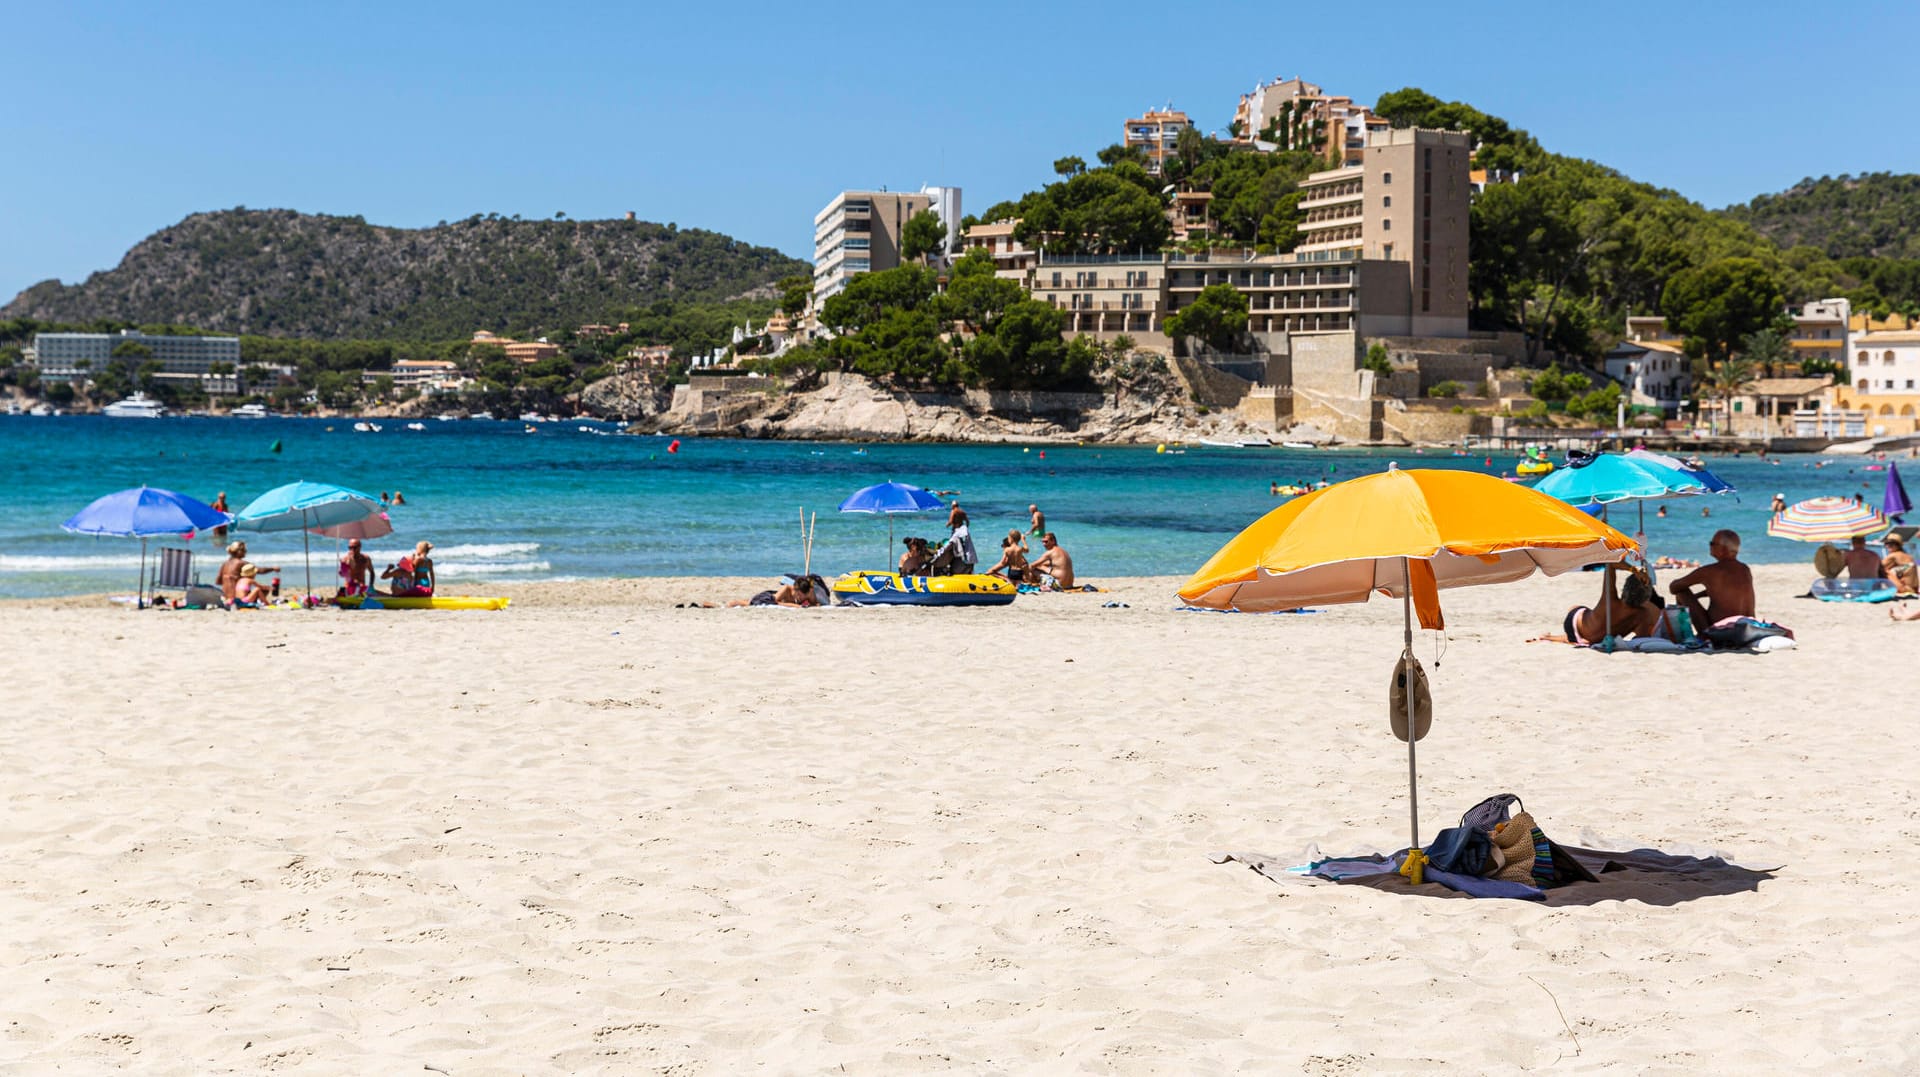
point(275, 447)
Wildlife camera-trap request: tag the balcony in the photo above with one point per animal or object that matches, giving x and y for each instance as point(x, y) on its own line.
point(1331, 196)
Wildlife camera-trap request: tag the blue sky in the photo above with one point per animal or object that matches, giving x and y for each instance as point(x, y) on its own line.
point(120, 119)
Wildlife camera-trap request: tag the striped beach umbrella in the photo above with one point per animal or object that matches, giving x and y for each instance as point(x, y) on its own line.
point(1827, 519)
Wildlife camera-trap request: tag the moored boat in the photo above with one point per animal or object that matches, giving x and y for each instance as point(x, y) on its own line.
point(137, 406)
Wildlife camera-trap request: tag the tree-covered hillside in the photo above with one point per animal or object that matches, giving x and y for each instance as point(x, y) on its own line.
point(281, 273)
point(1870, 216)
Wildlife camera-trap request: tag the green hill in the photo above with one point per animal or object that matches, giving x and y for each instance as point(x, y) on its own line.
point(1870, 216)
point(282, 273)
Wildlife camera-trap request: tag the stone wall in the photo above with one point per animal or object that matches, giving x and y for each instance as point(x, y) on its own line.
point(1268, 406)
point(1209, 385)
point(1345, 417)
point(1325, 362)
point(1433, 427)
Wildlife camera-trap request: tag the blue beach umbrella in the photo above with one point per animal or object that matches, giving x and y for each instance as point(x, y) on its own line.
point(145, 512)
point(1611, 477)
point(888, 498)
point(1714, 483)
point(303, 506)
point(1893, 500)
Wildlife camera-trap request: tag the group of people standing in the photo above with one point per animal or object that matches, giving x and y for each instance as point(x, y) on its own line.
point(1052, 570)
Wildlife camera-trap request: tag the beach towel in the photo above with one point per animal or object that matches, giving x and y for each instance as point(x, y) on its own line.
point(1629, 874)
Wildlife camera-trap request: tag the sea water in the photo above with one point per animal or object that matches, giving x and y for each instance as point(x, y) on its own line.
point(502, 505)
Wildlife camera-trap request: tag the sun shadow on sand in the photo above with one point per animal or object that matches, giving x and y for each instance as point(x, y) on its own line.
point(1647, 876)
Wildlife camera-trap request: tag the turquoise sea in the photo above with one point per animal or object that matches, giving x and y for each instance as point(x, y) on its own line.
point(567, 503)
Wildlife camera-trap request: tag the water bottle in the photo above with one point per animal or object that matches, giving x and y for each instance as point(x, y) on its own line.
point(276, 587)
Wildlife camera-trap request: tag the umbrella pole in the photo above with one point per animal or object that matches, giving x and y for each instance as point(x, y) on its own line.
point(306, 547)
point(140, 600)
point(884, 557)
point(1415, 866)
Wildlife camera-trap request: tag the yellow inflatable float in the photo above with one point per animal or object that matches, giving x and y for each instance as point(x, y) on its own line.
point(893, 589)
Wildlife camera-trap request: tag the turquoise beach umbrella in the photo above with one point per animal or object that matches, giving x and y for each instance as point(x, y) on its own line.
point(303, 506)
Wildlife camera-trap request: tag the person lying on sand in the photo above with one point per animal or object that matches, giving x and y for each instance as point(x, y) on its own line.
point(795, 595)
point(1630, 613)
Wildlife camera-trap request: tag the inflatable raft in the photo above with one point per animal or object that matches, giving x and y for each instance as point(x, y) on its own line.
point(893, 589)
point(1533, 467)
point(436, 602)
point(1854, 590)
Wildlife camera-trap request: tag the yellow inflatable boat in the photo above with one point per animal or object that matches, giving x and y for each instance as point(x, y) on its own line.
point(1533, 467)
point(435, 602)
point(893, 589)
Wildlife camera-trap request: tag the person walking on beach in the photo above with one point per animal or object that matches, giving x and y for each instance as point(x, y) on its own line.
point(1055, 567)
point(1717, 591)
point(1039, 521)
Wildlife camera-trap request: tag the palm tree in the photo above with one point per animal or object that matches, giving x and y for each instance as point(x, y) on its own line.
point(1768, 350)
point(1730, 379)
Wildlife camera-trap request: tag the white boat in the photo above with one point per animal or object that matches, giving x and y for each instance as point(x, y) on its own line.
point(137, 406)
point(487, 415)
point(1254, 443)
point(367, 428)
point(1297, 445)
point(416, 426)
point(43, 410)
point(1219, 444)
point(533, 417)
point(446, 417)
point(249, 411)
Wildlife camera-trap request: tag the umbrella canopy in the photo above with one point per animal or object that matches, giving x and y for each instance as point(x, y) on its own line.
point(1408, 534)
point(366, 527)
point(145, 511)
point(1893, 500)
point(1826, 519)
point(890, 497)
point(1610, 477)
point(304, 507)
point(1714, 483)
point(298, 506)
point(1343, 543)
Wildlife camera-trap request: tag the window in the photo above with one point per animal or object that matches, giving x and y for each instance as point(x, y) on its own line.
point(1860, 359)
point(1909, 383)
point(1886, 359)
point(1386, 251)
point(1386, 224)
point(1386, 200)
point(1386, 177)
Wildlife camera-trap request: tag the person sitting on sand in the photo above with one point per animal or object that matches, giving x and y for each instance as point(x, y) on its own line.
point(915, 561)
point(796, 594)
point(356, 570)
point(1899, 567)
point(1862, 563)
point(1725, 587)
point(412, 576)
point(1629, 613)
point(229, 575)
point(957, 556)
point(1055, 567)
point(247, 590)
point(1013, 558)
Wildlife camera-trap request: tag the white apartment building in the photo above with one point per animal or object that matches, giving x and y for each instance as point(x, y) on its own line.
point(859, 232)
point(1885, 363)
point(70, 357)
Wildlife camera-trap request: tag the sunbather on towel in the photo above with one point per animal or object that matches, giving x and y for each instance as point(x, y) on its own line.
point(1630, 613)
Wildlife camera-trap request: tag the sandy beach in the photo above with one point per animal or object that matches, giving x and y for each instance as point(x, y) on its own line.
point(597, 833)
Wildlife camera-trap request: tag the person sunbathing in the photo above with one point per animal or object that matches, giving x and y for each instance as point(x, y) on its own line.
point(914, 562)
point(796, 594)
point(1629, 613)
point(356, 570)
point(247, 590)
point(1723, 589)
point(1899, 566)
point(1013, 559)
point(1862, 563)
point(1053, 569)
point(411, 576)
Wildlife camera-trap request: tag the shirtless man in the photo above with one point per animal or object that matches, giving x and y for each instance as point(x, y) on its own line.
point(1723, 589)
point(1862, 563)
point(356, 570)
point(1055, 566)
point(1039, 521)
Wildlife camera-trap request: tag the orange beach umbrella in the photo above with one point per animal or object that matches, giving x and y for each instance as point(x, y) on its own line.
point(1408, 535)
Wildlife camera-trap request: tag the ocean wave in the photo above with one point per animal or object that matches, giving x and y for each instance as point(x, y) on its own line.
point(31, 563)
point(475, 552)
point(487, 568)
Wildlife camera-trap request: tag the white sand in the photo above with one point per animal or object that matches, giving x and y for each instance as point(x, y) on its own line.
point(630, 838)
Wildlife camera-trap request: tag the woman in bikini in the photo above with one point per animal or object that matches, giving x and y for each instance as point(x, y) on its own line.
point(1632, 614)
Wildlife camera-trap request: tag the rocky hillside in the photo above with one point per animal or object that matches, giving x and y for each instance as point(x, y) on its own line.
point(1871, 216)
point(281, 273)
